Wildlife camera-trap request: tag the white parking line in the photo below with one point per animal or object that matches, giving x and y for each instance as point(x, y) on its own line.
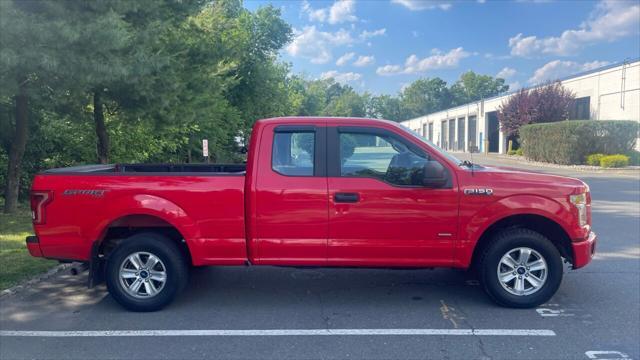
point(285, 332)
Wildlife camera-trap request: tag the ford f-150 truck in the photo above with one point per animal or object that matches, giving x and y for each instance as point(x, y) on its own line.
point(322, 192)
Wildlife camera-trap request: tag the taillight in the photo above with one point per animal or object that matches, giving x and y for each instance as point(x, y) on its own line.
point(39, 200)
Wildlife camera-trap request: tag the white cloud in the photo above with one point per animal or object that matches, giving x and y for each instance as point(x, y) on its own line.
point(314, 15)
point(369, 34)
point(437, 60)
point(316, 45)
point(341, 77)
point(506, 73)
point(342, 11)
point(611, 20)
point(342, 60)
point(389, 70)
point(556, 69)
point(364, 61)
point(417, 5)
point(339, 12)
point(515, 86)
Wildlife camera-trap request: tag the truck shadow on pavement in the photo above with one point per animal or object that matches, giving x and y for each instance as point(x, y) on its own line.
point(227, 295)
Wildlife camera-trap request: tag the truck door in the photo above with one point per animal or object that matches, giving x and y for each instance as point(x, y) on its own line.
point(291, 201)
point(380, 212)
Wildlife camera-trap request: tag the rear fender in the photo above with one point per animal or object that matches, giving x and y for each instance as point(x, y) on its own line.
point(152, 205)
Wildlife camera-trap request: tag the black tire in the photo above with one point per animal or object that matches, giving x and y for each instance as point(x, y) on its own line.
point(511, 239)
point(173, 262)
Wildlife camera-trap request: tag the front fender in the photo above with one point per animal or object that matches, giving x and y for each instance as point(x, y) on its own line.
point(474, 225)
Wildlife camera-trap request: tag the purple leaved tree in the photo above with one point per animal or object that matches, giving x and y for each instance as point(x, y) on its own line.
point(548, 103)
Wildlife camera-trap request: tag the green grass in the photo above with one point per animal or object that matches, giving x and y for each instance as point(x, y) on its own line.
point(16, 265)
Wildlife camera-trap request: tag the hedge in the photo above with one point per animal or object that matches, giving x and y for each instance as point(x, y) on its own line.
point(569, 142)
point(594, 159)
point(614, 161)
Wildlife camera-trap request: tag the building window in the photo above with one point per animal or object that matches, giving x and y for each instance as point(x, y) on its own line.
point(473, 146)
point(430, 137)
point(580, 109)
point(461, 134)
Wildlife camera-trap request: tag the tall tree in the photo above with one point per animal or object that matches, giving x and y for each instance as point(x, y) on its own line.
point(472, 87)
point(348, 103)
point(33, 53)
point(251, 42)
point(386, 107)
point(425, 96)
point(121, 68)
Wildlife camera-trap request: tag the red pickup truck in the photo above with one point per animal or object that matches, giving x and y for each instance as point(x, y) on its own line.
point(334, 192)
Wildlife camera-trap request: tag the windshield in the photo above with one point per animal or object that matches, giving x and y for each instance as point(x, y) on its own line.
point(432, 145)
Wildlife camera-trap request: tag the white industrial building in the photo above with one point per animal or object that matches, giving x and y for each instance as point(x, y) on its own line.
point(607, 93)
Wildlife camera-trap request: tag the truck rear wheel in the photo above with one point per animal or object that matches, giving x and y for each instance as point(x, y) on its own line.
point(520, 268)
point(145, 272)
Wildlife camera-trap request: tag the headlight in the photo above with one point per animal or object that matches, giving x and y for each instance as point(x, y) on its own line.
point(580, 202)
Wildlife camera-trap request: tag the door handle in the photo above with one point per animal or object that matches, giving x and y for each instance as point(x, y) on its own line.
point(346, 197)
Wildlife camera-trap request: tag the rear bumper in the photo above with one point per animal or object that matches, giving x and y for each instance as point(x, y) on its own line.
point(583, 251)
point(33, 244)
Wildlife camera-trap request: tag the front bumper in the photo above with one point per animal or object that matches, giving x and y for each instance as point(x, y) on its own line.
point(33, 245)
point(583, 251)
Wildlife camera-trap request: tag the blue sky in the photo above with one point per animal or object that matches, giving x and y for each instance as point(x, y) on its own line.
point(382, 45)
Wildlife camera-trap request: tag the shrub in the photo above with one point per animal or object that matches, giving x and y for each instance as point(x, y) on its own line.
point(634, 157)
point(519, 152)
point(614, 161)
point(512, 152)
point(569, 142)
point(594, 159)
point(544, 104)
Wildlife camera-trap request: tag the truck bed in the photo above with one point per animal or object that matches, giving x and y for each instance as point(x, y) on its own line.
point(203, 202)
point(204, 169)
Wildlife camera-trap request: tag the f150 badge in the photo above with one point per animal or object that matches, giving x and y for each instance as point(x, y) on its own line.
point(487, 192)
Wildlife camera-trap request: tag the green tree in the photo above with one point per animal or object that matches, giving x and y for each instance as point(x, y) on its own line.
point(348, 104)
point(386, 107)
point(472, 87)
point(250, 42)
point(38, 46)
point(425, 96)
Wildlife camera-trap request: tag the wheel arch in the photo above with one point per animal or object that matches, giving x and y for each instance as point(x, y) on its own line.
point(129, 215)
point(128, 225)
point(547, 227)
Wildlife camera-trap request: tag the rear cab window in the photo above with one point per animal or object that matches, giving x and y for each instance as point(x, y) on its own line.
point(293, 153)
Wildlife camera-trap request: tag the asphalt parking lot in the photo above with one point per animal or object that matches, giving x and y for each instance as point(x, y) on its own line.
point(285, 313)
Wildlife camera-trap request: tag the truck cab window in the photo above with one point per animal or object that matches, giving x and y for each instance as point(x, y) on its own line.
point(380, 157)
point(293, 153)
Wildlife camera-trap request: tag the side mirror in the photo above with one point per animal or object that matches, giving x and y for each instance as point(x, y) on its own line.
point(435, 175)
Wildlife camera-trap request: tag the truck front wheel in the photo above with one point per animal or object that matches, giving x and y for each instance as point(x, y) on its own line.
point(520, 268)
point(145, 272)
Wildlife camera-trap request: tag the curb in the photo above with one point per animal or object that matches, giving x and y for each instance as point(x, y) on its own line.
point(585, 168)
point(35, 280)
point(568, 167)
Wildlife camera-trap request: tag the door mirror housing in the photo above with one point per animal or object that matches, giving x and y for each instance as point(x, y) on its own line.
point(434, 175)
